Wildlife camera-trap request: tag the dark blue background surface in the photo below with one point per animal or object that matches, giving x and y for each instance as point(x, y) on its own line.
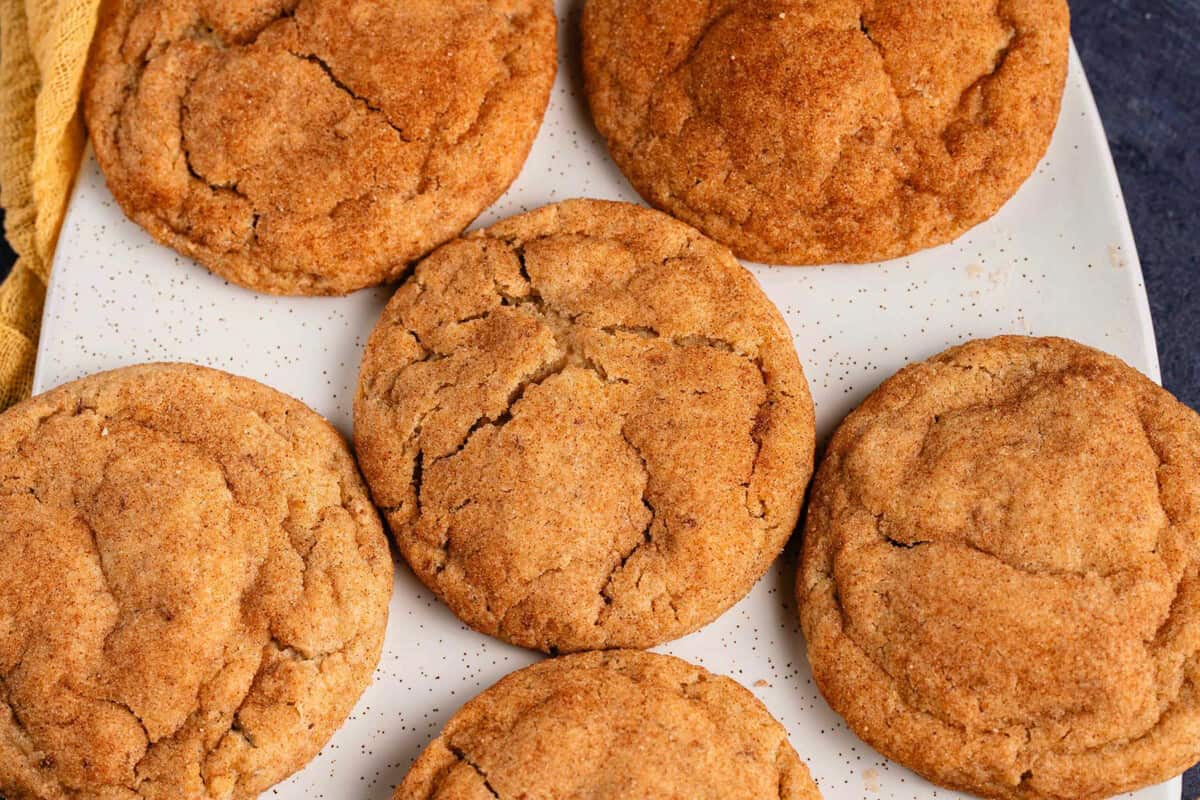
point(1143, 60)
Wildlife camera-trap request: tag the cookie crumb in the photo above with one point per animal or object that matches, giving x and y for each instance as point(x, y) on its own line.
point(1116, 257)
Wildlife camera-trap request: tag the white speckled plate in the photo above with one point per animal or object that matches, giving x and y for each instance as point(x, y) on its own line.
point(1058, 259)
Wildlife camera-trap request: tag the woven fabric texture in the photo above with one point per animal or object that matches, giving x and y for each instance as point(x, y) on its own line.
point(43, 51)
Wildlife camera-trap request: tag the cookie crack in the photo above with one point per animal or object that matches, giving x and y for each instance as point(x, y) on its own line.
point(692, 340)
point(685, 60)
point(606, 590)
point(972, 546)
point(79, 408)
point(463, 758)
point(866, 32)
point(498, 83)
point(726, 346)
point(497, 422)
point(998, 61)
point(531, 587)
point(323, 65)
point(236, 728)
point(488, 97)
point(203, 33)
point(104, 577)
point(418, 480)
point(124, 706)
point(1171, 523)
point(27, 741)
point(757, 429)
point(1162, 462)
point(215, 188)
point(781, 764)
point(494, 423)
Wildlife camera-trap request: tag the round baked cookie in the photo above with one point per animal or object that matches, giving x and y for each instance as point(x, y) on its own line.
point(315, 146)
point(1000, 584)
point(611, 725)
point(193, 587)
point(587, 427)
point(830, 131)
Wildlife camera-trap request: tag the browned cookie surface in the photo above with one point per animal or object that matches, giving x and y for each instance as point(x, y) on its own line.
point(1001, 575)
point(193, 587)
point(587, 427)
point(616, 725)
point(315, 146)
point(818, 131)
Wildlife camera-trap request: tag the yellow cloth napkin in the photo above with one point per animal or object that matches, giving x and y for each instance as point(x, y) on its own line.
point(43, 51)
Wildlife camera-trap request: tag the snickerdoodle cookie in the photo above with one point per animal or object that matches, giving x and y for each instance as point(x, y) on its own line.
point(193, 587)
point(609, 725)
point(1001, 574)
point(587, 427)
point(315, 146)
point(817, 131)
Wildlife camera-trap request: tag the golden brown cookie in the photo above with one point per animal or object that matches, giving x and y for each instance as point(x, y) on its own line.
point(1000, 584)
point(193, 587)
point(587, 427)
point(810, 132)
point(609, 726)
point(315, 146)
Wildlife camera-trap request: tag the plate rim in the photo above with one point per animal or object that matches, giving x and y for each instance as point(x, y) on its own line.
point(1095, 129)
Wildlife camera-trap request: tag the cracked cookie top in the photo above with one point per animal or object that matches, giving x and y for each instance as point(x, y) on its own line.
point(819, 131)
point(315, 146)
point(609, 725)
point(587, 427)
point(193, 587)
point(1000, 584)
